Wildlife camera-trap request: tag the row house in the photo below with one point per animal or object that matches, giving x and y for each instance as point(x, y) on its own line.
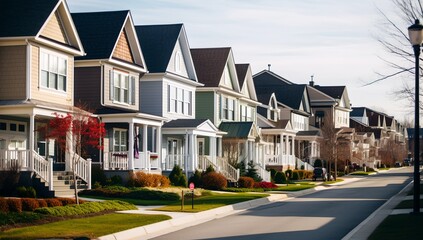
point(168, 90)
point(228, 99)
point(37, 51)
point(284, 121)
point(388, 132)
point(107, 82)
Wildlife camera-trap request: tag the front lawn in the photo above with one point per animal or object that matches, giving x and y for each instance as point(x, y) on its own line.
point(89, 227)
point(211, 200)
point(362, 173)
point(402, 226)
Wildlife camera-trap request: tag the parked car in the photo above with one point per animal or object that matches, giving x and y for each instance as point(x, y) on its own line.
point(408, 162)
point(319, 173)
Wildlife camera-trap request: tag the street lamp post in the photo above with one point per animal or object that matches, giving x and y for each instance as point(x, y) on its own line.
point(415, 33)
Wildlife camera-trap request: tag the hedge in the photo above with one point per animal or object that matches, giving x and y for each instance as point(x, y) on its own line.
point(30, 204)
point(142, 194)
point(86, 208)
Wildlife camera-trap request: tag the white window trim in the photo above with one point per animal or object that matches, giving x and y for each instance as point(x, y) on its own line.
point(177, 103)
point(59, 55)
point(124, 74)
point(120, 138)
point(17, 125)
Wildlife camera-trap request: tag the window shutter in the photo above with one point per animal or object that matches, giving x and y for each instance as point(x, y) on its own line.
point(221, 107)
point(168, 98)
point(111, 85)
point(132, 90)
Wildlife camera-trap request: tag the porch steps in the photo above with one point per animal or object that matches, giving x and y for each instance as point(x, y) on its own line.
point(64, 185)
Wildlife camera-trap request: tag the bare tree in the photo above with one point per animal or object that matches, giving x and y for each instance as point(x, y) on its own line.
point(329, 144)
point(392, 152)
point(394, 39)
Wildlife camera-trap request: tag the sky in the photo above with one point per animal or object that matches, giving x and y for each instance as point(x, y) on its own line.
point(333, 40)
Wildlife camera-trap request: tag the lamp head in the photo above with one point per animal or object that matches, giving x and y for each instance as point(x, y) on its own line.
point(415, 33)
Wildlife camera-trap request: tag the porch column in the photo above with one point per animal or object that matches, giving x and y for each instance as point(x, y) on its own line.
point(159, 146)
point(212, 147)
point(219, 146)
point(131, 147)
point(193, 148)
point(250, 151)
point(185, 155)
point(31, 141)
point(287, 151)
point(144, 146)
point(293, 145)
point(246, 153)
point(281, 150)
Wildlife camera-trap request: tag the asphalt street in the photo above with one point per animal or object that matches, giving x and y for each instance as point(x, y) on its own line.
point(327, 214)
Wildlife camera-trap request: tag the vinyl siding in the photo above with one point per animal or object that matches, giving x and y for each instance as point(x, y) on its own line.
point(54, 29)
point(88, 87)
point(107, 99)
point(47, 95)
point(152, 98)
point(172, 63)
point(203, 109)
point(12, 72)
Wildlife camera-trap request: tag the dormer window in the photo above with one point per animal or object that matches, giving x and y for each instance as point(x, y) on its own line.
point(53, 71)
point(272, 112)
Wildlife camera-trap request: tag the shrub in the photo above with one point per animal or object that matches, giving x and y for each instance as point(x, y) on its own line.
point(246, 182)
point(4, 206)
point(295, 175)
point(280, 177)
point(214, 181)
point(26, 192)
point(177, 178)
point(114, 180)
point(209, 169)
point(300, 173)
point(29, 204)
point(288, 174)
point(53, 202)
point(196, 178)
point(42, 203)
point(15, 205)
point(252, 172)
point(273, 173)
point(141, 179)
point(67, 201)
point(265, 185)
point(86, 208)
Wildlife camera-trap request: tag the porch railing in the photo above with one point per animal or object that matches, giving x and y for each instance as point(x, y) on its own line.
point(83, 169)
point(306, 165)
point(264, 174)
point(280, 160)
point(44, 169)
point(204, 162)
point(227, 169)
point(116, 160)
point(174, 159)
point(14, 158)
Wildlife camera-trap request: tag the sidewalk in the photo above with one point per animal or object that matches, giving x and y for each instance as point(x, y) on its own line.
point(183, 220)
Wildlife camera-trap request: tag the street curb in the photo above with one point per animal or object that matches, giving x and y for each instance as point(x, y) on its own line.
point(201, 217)
point(194, 219)
point(367, 227)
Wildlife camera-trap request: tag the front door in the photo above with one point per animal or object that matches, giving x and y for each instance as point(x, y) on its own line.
point(200, 144)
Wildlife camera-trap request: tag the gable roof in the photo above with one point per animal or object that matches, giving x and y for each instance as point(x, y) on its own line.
point(269, 78)
point(289, 95)
point(157, 44)
point(98, 39)
point(241, 72)
point(22, 18)
point(358, 112)
point(209, 64)
point(333, 91)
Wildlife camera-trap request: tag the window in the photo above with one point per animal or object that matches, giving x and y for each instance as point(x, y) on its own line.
point(243, 113)
point(53, 71)
point(119, 140)
point(180, 101)
point(3, 126)
point(249, 114)
point(121, 87)
point(228, 108)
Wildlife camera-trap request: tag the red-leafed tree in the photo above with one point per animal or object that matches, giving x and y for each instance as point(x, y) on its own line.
point(75, 133)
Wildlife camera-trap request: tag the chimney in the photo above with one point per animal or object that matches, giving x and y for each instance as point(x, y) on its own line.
point(268, 66)
point(311, 83)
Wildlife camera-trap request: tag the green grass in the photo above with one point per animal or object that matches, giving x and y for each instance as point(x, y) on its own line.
point(403, 226)
point(139, 202)
point(293, 187)
point(90, 227)
point(210, 201)
point(337, 180)
point(361, 173)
